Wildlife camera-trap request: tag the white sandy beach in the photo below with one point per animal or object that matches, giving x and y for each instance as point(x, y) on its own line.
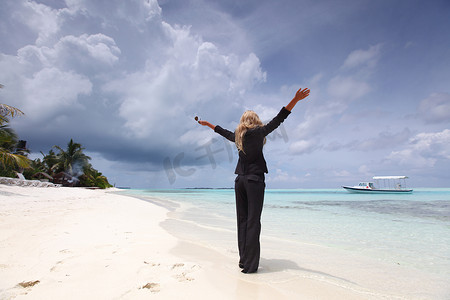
point(73, 243)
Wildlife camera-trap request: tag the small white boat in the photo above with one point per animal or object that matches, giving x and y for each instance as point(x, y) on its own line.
point(389, 184)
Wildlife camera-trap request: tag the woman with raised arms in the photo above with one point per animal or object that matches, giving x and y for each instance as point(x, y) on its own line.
point(250, 137)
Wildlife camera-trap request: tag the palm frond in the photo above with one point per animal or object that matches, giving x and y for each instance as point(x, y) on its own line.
point(8, 110)
point(9, 159)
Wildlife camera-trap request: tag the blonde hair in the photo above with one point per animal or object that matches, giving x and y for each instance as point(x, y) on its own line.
point(249, 120)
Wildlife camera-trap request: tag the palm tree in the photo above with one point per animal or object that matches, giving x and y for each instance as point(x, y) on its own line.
point(50, 162)
point(8, 110)
point(47, 165)
point(72, 160)
point(8, 139)
point(94, 178)
point(8, 142)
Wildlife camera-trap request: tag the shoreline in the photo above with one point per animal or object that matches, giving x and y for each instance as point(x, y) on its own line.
point(77, 243)
point(295, 260)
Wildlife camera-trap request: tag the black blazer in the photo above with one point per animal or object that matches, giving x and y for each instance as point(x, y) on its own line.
point(252, 162)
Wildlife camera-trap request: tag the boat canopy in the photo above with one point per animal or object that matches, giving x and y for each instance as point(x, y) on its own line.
point(389, 177)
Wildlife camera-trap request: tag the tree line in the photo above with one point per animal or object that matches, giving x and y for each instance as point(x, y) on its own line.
point(71, 162)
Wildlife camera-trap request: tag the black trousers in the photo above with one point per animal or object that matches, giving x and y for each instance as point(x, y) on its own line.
point(249, 190)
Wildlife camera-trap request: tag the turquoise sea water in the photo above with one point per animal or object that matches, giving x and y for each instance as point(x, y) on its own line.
point(399, 229)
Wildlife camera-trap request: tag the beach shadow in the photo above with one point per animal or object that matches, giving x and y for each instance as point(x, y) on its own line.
point(279, 265)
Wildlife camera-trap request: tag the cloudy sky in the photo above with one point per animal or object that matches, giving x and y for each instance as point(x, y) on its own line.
point(126, 79)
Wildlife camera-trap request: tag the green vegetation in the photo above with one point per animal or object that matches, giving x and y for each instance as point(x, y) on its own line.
point(72, 162)
point(67, 164)
point(10, 158)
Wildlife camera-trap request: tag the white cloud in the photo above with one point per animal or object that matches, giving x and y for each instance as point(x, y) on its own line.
point(323, 111)
point(83, 54)
point(40, 18)
point(363, 58)
point(303, 147)
point(48, 80)
point(51, 90)
point(424, 150)
point(347, 89)
point(110, 11)
point(248, 74)
point(342, 173)
point(92, 48)
point(342, 90)
point(265, 113)
point(435, 108)
point(382, 141)
point(433, 144)
point(281, 176)
point(365, 170)
point(182, 83)
point(198, 136)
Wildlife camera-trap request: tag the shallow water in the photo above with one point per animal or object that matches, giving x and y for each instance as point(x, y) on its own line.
point(411, 230)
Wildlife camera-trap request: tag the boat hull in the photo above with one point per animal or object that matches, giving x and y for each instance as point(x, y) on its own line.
point(375, 191)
